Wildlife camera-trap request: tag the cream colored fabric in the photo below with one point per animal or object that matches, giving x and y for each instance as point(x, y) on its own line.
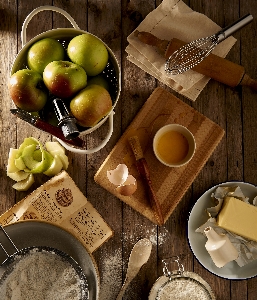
point(174, 19)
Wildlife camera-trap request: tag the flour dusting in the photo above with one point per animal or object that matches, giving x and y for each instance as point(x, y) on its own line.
point(40, 276)
point(111, 276)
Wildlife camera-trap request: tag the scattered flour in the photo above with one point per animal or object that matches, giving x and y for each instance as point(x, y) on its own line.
point(111, 276)
point(40, 276)
point(159, 239)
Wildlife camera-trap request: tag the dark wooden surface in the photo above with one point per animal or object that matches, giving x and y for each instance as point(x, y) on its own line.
point(233, 109)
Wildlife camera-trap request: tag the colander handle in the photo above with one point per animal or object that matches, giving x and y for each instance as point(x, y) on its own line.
point(100, 146)
point(39, 9)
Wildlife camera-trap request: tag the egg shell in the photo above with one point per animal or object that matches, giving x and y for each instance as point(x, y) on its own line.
point(119, 175)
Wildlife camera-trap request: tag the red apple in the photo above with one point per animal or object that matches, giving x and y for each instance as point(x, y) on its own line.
point(90, 105)
point(64, 78)
point(27, 90)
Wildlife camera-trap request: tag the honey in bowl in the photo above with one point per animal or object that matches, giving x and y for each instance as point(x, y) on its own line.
point(174, 145)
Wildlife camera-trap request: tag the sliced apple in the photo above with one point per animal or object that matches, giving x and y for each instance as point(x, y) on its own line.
point(27, 142)
point(19, 163)
point(55, 167)
point(64, 159)
point(37, 155)
point(25, 184)
point(18, 176)
point(34, 165)
point(11, 167)
point(54, 146)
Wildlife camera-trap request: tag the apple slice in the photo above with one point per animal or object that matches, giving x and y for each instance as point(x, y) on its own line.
point(55, 167)
point(34, 165)
point(18, 176)
point(54, 146)
point(28, 141)
point(64, 159)
point(19, 163)
point(37, 155)
point(11, 167)
point(25, 184)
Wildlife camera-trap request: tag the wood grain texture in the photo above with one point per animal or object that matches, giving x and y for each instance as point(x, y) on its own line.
point(233, 110)
point(169, 184)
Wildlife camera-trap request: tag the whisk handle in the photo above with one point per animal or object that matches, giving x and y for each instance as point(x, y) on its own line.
point(229, 30)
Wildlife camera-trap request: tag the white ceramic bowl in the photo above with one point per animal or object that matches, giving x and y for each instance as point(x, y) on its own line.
point(186, 133)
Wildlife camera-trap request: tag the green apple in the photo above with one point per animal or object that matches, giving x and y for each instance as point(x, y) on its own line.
point(63, 157)
point(11, 167)
point(18, 176)
point(19, 163)
point(89, 52)
point(55, 167)
point(27, 90)
point(34, 165)
point(25, 184)
point(99, 80)
point(43, 52)
point(54, 147)
point(90, 105)
point(64, 78)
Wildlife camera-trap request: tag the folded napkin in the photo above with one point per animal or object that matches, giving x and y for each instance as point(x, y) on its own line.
point(174, 19)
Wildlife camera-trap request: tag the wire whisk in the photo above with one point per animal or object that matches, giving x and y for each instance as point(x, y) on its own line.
point(191, 54)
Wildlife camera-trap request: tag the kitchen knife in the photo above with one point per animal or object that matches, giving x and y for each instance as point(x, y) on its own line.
point(40, 124)
point(213, 66)
point(143, 170)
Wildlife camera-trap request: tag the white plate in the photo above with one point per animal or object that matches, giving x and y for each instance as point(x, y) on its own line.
point(36, 233)
point(197, 241)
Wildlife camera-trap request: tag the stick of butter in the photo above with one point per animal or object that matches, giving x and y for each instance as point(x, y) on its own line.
point(238, 217)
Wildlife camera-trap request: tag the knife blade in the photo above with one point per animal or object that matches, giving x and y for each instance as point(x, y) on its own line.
point(143, 170)
point(46, 127)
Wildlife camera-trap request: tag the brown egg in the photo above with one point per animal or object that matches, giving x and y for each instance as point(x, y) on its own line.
point(128, 187)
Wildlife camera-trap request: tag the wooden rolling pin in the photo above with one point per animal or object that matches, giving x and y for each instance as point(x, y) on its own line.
point(213, 66)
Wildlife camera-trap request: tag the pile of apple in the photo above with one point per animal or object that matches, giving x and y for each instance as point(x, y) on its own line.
point(73, 74)
point(32, 158)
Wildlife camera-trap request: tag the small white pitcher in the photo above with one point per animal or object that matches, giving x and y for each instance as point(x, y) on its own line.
point(219, 247)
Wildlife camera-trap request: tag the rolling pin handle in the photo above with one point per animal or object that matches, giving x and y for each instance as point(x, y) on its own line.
point(152, 40)
point(248, 81)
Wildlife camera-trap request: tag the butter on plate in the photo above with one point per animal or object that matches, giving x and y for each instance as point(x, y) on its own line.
point(238, 217)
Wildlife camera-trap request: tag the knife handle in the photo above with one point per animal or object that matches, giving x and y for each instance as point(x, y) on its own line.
point(144, 172)
point(57, 132)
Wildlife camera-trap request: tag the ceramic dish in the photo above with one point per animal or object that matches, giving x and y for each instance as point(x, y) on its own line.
point(36, 233)
point(197, 241)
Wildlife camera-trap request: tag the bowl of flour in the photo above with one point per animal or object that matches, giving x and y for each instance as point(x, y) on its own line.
point(41, 273)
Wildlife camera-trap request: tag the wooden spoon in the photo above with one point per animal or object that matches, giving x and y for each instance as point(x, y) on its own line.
point(138, 257)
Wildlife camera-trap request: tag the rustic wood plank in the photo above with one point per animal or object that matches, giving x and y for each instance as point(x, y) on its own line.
point(134, 93)
point(8, 50)
point(233, 109)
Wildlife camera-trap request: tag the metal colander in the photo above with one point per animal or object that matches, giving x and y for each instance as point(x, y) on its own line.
point(9, 264)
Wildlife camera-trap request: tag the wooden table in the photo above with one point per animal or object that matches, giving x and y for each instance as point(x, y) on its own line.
point(235, 158)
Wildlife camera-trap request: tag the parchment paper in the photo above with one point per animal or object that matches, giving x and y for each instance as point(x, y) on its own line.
point(247, 249)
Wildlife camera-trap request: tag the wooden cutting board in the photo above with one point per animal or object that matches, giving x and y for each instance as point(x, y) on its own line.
point(169, 184)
